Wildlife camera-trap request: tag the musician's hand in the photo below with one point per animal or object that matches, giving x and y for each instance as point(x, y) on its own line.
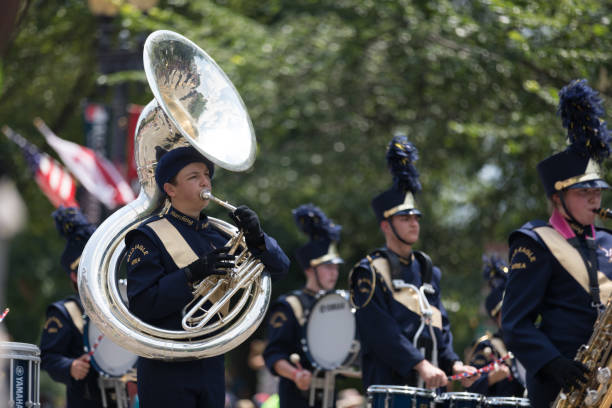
point(80, 367)
point(499, 374)
point(432, 375)
point(213, 263)
point(247, 220)
point(565, 372)
point(302, 379)
point(459, 368)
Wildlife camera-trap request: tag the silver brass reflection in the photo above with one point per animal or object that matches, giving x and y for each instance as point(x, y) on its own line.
point(195, 104)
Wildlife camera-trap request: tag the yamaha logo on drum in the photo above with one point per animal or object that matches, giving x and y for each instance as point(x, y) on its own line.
point(19, 384)
point(332, 306)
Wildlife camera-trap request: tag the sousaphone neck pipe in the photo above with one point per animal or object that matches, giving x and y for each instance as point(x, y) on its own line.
point(207, 195)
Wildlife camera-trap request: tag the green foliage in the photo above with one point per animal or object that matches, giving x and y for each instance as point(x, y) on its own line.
point(473, 83)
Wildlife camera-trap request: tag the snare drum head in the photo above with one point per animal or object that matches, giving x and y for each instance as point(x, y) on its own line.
point(330, 331)
point(108, 358)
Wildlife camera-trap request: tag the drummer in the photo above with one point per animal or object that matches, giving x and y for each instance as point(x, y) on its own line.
point(61, 344)
point(319, 261)
point(395, 317)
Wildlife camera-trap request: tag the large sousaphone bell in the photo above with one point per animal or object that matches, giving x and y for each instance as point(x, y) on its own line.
point(195, 104)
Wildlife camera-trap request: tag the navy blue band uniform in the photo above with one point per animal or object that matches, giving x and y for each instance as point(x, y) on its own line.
point(541, 285)
point(388, 320)
point(486, 350)
point(158, 290)
point(62, 342)
point(560, 271)
point(285, 334)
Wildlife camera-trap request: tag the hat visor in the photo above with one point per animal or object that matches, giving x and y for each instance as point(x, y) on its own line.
point(408, 211)
point(335, 261)
point(599, 183)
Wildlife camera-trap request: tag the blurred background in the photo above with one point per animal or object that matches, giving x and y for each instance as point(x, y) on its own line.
point(327, 83)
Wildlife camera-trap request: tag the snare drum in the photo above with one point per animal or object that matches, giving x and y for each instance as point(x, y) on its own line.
point(22, 373)
point(507, 402)
point(400, 396)
point(460, 400)
point(329, 333)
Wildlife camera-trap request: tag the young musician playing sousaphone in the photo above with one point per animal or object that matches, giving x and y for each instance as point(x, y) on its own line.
point(61, 345)
point(158, 289)
point(397, 292)
point(560, 270)
point(505, 379)
point(319, 260)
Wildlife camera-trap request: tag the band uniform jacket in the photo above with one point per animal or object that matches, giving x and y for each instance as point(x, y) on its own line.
point(486, 350)
point(546, 311)
point(285, 334)
point(158, 290)
point(387, 327)
point(61, 342)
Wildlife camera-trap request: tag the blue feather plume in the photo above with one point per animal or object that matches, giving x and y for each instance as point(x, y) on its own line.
point(72, 224)
point(581, 111)
point(401, 154)
point(494, 271)
point(314, 223)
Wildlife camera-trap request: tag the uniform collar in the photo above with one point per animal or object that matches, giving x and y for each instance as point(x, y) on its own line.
point(404, 260)
point(563, 227)
point(196, 224)
point(309, 291)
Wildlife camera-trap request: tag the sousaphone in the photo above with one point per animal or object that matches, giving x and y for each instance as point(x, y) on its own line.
point(195, 104)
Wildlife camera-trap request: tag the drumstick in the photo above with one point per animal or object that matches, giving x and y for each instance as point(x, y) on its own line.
point(485, 369)
point(3, 315)
point(95, 345)
point(295, 359)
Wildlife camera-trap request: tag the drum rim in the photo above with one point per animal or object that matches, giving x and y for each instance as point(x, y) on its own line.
point(508, 400)
point(350, 355)
point(463, 396)
point(12, 349)
point(400, 389)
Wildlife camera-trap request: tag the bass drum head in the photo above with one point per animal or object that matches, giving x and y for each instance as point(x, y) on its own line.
point(107, 357)
point(330, 331)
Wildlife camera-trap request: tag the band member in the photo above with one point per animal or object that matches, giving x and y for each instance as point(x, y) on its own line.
point(560, 270)
point(61, 343)
point(507, 378)
point(319, 259)
point(396, 290)
point(158, 289)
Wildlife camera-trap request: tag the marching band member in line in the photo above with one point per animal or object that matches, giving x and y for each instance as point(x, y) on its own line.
point(507, 379)
point(319, 260)
point(560, 270)
point(61, 343)
point(385, 287)
point(158, 289)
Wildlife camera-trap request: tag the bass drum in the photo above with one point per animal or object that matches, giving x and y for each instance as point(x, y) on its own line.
point(329, 333)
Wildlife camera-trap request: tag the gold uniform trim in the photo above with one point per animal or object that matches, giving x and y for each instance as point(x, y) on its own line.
point(296, 307)
point(179, 250)
point(406, 296)
point(591, 172)
point(75, 314)
point(570, 259)
point(408, 204)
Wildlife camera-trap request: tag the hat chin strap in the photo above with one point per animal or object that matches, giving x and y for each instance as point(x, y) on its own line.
point(390, 221)
point(567, 211)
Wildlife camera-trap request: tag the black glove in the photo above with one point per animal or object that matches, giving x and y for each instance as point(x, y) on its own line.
point(564, 372)
point(213, 263)
point(247, 220)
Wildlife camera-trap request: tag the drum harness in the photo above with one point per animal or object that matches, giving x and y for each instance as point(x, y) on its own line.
point(426, 288)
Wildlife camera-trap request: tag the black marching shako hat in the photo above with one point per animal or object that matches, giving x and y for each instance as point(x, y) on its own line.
point(495, 272)
point(172, 161)
point(324, 237)
point(72, 225)
point(399, 199)
point(578, 166)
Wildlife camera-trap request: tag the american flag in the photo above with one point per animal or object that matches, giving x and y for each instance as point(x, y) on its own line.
point(96, 173)
point(51, 177)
